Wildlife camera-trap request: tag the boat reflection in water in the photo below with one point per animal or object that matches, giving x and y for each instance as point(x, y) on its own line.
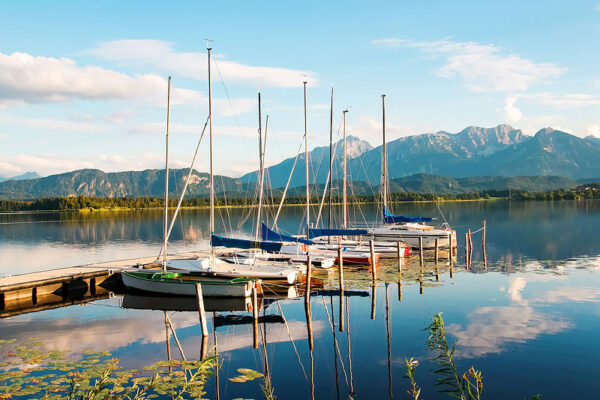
point(185, 303)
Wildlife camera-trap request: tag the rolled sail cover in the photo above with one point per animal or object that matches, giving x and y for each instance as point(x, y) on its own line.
point(390, 218)
point(269, 234)
point(313, 233)
point(223, 241)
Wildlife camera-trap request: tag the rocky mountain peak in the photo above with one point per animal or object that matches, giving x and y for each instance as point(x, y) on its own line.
point(355, 146)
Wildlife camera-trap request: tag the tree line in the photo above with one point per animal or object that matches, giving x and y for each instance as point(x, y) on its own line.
point(73, 203)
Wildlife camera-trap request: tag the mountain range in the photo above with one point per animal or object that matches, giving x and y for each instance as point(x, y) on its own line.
point(474, 151)
point(26, 175)
point(96, 183)
point(442, 162)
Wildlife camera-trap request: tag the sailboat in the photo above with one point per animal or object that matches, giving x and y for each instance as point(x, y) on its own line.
point(406, 228)
point(235, 266)
point(184, 283)
point(300, 247)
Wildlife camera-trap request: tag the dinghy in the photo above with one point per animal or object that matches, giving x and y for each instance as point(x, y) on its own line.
point(181, 284)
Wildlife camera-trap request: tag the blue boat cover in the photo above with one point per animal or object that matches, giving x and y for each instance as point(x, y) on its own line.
point(268, 234)
point(313, 233)
point(217, 240)
point(390, 218)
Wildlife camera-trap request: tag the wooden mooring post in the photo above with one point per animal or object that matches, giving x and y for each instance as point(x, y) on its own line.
point(421, 257)
point(341, 278)
point(467, 249)
point(436, 256)
point(373, 263)
point(450, 248)
point(470, 247)
point(399, 250)
point(201, 311)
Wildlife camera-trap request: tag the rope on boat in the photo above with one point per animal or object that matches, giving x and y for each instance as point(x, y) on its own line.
point(187, 181)
point(286, 186)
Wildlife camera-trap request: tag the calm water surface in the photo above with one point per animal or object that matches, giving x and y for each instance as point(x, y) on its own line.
point(529, 320)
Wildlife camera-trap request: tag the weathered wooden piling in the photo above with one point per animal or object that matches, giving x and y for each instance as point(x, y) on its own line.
point(436, 255)
point(467, 249)
point(373, 263)
point(421, 257)
point(201, 312)
point(255, 317)
point(470, 247)
point(450, 248)
point(341, 278)
point(400, 255)
point(204, 348)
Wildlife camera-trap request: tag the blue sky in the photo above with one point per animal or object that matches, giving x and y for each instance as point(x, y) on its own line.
point(83, 85)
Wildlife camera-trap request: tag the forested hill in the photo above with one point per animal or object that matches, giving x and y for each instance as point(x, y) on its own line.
point(96, 183)
point(150, 183)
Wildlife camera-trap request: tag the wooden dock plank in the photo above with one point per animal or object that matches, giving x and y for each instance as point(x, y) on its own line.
point(60, 275)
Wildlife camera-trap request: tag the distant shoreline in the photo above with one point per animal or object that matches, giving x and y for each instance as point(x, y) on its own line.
point(85, 205)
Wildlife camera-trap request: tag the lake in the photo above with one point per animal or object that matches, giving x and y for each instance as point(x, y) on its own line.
point(528, 320)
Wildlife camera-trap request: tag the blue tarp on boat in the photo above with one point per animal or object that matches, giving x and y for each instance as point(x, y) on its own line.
point(223, 241)
point(390, 218)
point(269, 234)
point(313, 233)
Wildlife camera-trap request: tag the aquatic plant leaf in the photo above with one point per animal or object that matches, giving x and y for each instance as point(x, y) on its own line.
point(239, 379)
point(250, 374)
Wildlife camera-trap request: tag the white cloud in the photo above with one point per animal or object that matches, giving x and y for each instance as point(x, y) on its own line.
point(25, 78)
point(569, 294)
point(28, 79)
point(562, 101)
point(371, 129)
point(50, 124)
point(49, 164)
point(118, 117)
point(511, 112)
point(516, 287)
point(482, 67)
point(160, 54)
point(593, 130)
point(491, 328)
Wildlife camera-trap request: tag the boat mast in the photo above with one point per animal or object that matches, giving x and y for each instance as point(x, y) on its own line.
point(306, 162)
point(384, 156)
point(166, 216)
point(261, 166)
point(344, 192)
point(212, 181)
point(330, 160)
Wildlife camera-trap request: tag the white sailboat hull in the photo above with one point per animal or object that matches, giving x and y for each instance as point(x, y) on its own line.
point(412, 236)
point(236, 269)
point(186, 287)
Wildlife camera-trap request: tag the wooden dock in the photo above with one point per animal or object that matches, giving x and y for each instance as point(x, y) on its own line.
point(53, 288)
